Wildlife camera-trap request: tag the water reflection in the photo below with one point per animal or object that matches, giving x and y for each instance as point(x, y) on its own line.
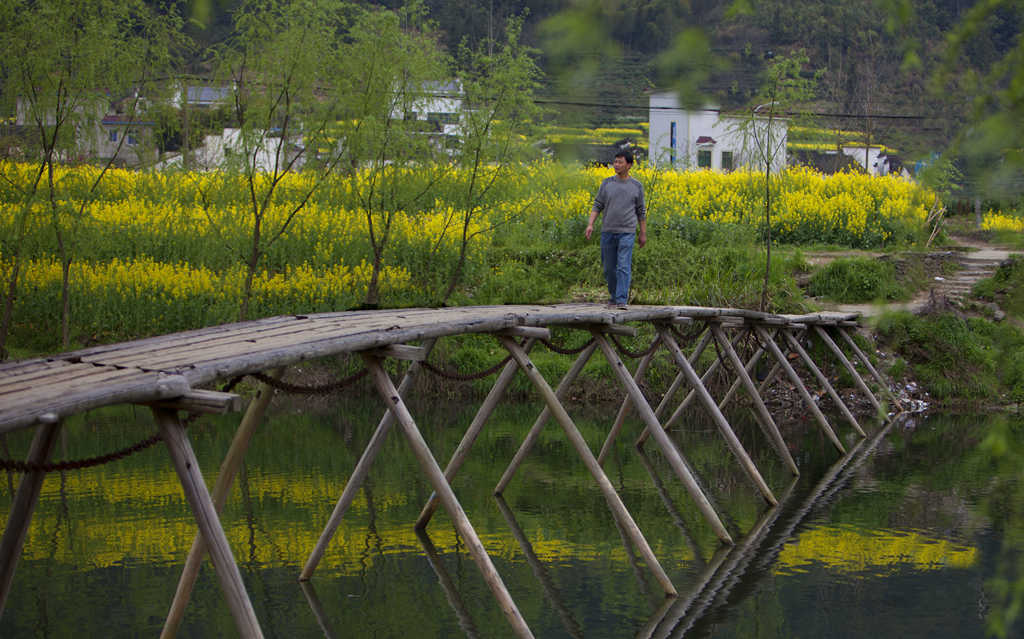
point(841, 555)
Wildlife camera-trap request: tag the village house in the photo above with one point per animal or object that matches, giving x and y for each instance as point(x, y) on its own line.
point(708, 139)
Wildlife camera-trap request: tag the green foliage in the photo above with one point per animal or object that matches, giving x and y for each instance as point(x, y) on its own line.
point(955, 358)
point(855, 280)
point(1006, 287)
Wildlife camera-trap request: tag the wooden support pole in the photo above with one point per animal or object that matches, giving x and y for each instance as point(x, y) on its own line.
point(693, 394)
point(539, 571)
point(676, 384)
point(396, 405)
point(716, 415)
point(668, 447)
point(627, 403)
point(761, 411)
point(497, 391)
point(848, 365)
point(23, 505)
point(542, 419)
point(867, 364)
point(794, 344)
point(776, 352)
point(355, 481)
point(187, 467)
point(451, 591)
point(221, 489)
point(576, 439)
point(317, 608)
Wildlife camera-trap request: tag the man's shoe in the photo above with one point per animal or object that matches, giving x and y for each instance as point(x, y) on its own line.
point(622, 307)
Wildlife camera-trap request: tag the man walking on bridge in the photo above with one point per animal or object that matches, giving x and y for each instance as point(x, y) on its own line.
point(621, 201)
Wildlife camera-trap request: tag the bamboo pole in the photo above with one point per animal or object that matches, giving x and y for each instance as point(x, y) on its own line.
point(716, 415)
point(221, 489)
point(760, 410)
point(867, 364)
point(668, 447)
point(794, 343)
point(187, 467)
point(627, 403)
point(542, 419)
point(355, 481)
point(841, 356)
point(23, 505)
point(396, 406)
point(580, 444)
point(773, 348)
point(676, 384)
point(497, 391)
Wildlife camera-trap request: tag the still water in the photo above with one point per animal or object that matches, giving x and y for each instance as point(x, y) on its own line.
point(918, 532)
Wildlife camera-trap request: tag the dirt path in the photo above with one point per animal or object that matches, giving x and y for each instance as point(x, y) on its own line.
point(978, 260)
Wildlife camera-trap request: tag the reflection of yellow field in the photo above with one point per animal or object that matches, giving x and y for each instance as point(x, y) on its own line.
point(142, 518)
point(116, 519)
point(849, 549)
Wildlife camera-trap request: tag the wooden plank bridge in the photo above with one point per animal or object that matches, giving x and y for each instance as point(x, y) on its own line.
point(168, 374)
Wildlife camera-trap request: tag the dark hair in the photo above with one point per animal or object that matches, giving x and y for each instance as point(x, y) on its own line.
point(625, 155)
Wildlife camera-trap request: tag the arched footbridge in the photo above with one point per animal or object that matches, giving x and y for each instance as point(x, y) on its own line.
point(171, 375)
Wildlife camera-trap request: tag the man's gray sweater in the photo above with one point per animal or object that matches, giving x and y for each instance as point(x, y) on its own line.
point(621, 204)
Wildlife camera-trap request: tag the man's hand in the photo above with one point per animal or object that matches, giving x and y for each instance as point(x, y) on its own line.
point(641, 239)
point(589, 231)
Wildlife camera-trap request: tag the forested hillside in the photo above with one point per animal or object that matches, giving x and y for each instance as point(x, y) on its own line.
point(873, 65)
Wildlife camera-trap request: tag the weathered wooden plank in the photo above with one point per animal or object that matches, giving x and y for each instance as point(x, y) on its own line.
point(74, 374)
point(151, 387)
point(203, 401)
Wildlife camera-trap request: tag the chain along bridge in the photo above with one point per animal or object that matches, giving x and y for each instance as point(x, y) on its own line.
point(168, 374)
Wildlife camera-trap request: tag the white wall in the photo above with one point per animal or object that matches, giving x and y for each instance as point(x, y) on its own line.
point(737, 135)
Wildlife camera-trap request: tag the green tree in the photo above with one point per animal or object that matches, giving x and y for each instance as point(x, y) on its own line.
point(402, 72)
point(282, 62)
point(64, 63)
point(497, 112)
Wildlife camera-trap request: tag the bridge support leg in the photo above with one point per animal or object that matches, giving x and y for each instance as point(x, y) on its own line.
point(482, 415)
point(187, 467)
point(355, 481)
point(675, 386)
point(776, 352)
point(693, 394)
point(430, 467)
point(23, 506)
point(668, 447)
point(867, 364)
point(848, 365)
point(716, 415)
point(221, 489)
point(539, 571)
point(765, 428)
point(580, 444)
point(794, 344)
point(761, 411)
point(542, 419)
point(627, 403)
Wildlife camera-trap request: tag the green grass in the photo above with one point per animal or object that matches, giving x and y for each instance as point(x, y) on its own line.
point(855, 280)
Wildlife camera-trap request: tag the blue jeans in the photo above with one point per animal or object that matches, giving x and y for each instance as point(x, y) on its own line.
point(617, 258)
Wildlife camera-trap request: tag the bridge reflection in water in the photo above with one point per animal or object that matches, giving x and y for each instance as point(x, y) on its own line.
point(167, 374)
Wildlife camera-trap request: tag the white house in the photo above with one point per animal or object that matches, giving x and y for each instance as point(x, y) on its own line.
point(440, 104)
point(707, 139)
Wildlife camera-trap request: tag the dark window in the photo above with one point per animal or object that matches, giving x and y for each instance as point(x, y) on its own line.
point(727, 161)
point(113, 135)
point(132, 140)
point(672, 144)
point(704, 159)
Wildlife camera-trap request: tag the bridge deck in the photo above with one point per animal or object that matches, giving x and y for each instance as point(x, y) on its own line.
point(43, 390)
